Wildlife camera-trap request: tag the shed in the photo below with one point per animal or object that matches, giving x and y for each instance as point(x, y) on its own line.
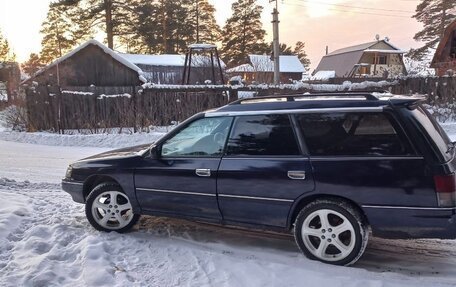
point(92, 63)
point(445, 55)
point(373, 59)
point(260, 68)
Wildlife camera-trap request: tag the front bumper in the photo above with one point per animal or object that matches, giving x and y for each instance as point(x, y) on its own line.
point(75, 189)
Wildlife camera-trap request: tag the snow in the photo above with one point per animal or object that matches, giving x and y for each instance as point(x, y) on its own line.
point(202, 46)
point(288, 64)
point(45, 239)
point(168, 60)
point(323, 75)
point(124, 95)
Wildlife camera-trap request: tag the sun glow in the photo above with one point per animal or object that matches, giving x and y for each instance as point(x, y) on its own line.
point(317, 9)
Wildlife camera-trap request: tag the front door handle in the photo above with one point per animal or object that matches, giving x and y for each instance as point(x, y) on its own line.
point(296, 174)
point(203, 172)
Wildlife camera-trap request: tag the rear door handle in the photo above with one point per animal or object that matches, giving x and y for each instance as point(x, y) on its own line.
point(203, 172)
point(296, 174)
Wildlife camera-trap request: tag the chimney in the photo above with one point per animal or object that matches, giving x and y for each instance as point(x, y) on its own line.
point(327, 50)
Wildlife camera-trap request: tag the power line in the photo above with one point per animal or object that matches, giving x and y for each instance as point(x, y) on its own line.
point(356, 7)
point(350, 11)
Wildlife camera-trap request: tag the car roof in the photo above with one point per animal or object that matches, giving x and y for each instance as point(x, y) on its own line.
point(317, 101)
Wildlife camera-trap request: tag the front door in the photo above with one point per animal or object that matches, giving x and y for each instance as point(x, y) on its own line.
point(182, 181)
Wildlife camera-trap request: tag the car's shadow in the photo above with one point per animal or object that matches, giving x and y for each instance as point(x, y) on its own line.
point(428, 258)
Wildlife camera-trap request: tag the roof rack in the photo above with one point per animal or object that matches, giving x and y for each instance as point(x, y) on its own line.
point(368, 95)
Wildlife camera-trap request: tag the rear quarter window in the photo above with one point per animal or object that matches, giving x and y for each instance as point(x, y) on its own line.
point(353, 134)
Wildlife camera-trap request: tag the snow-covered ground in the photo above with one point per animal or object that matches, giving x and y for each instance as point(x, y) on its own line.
point(45, 239)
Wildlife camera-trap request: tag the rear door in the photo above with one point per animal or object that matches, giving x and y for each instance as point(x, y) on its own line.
point(263, 171)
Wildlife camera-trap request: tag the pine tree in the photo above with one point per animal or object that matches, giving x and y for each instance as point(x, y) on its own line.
point(112, 16)
point(206, 28)
point(301, 53)
point(6, 54)
point(32, 65)
point(435, 15)
point(60, 33)
point(165, 26)
point(243, 33)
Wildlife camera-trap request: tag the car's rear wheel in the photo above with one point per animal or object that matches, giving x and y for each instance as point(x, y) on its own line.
point(108, 208)
point(331, 231)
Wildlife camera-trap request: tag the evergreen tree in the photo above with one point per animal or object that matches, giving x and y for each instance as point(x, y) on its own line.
point(112, 16)
point(435, 15)
point(301, 53)
point(205, 27)
point(165, 26)
point(6, 54)
point(243, 33)
point(32, 65)
point(60, 33)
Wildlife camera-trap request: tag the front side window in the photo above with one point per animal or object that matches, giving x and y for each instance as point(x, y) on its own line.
point(264, 135)
point(352, 134)
point(204, 137)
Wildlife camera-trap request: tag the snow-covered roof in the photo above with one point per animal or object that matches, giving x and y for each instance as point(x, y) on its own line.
point(107, 50)
point(241, 69)
point(170, 60)
point(323, 75)
point(363, 47)
point(202, 46)
point(263, 63)
point(288, 64)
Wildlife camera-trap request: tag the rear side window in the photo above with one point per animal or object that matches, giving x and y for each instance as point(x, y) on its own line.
point(353, 134)
point(262, 135)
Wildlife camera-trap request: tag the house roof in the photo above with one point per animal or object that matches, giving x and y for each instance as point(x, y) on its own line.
point(440, 48)
point(263, 63)
point(343, 60)
point(170, 60)
point(107, 50)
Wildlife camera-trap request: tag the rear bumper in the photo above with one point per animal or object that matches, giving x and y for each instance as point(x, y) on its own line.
point(75, 189)
point(412, 222)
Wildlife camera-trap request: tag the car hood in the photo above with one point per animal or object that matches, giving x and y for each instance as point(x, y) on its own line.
point(120, 153)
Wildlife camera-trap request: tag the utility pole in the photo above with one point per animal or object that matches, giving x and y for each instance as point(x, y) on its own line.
point(197, 21)
point(276, 44)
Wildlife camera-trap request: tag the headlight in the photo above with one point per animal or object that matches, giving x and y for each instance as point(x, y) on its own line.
point(68, 172)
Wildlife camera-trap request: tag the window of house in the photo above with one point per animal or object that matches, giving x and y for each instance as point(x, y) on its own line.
point(352, 134)
point(3, 92)
point(264, 135)
point(380, 60)
point(202, 138)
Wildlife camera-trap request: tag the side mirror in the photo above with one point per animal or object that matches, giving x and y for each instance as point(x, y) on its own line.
point(154, 152)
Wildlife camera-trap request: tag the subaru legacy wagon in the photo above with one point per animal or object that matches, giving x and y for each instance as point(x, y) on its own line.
point(329, 168)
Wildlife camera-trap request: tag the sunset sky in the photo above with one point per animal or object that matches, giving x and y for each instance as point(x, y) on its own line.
point(336, 23)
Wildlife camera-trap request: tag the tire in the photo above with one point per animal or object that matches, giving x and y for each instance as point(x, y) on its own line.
point(339, 240)
point(104, 214)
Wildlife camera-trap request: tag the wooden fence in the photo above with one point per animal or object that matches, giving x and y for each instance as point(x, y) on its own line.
point(100, 108)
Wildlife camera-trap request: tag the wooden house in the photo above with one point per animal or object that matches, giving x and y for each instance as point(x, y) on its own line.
point(374, 59)
point(91, 64)
point(10, 78)
point(260, 69)
point(444, 60)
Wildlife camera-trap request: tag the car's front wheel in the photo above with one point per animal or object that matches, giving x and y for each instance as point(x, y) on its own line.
point(108, 208)
point(331, 231)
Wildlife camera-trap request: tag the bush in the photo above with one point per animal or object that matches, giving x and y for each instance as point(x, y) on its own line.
point(14, 117)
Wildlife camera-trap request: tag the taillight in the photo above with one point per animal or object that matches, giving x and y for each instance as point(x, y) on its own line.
point(445, 187)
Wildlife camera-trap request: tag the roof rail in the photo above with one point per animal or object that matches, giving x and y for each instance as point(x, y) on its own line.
point(368, 95)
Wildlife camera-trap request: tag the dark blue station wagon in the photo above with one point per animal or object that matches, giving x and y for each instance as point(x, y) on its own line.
point(327, 167)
